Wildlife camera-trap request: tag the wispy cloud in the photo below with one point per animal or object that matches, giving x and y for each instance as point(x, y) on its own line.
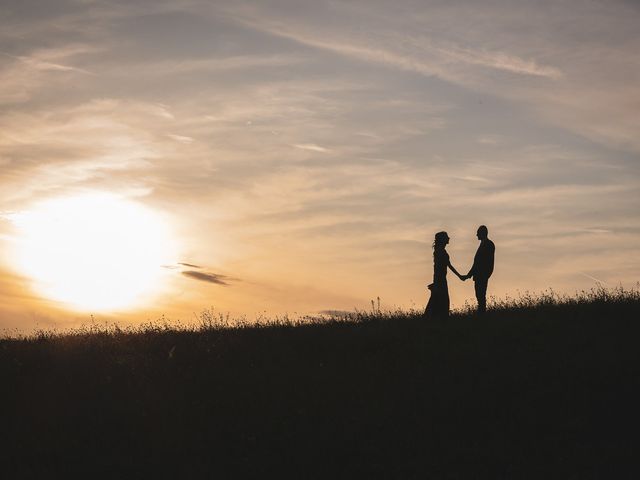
point(555, 83)
point(207, 277)
point(499, 61)
point(44, 65)
point(311, 147)
point(190, 265)
point(426, 56)
point(590, 277)
point(22, 75)
point(207, 65)
point(490, 139)
point(180, 138)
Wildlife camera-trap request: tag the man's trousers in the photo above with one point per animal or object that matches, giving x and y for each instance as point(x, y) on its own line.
point(480, 285)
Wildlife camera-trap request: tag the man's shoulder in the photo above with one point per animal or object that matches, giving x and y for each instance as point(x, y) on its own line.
point(489, 245)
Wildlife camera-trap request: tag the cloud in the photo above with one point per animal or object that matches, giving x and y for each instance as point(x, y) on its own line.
point(408, 52)
point(44, 65)
point(181, 138)
point(23, 76)
point(190, 265)
point(71, 147)
point(593, 278)
point(490, 139)
point(209, 64)
point(596, 230)
point(489, 47)
point(207, 277)
point(499, 61)
point(311, 147)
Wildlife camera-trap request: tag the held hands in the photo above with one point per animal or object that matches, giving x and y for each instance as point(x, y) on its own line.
point(463, 277)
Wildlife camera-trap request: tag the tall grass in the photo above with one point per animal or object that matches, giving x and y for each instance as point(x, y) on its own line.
point(209, 319)
point(543, 386)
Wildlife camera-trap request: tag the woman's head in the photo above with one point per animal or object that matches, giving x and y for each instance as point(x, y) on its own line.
point(441, 239)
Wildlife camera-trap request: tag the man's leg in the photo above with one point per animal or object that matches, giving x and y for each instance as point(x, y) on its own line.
point(480, 285)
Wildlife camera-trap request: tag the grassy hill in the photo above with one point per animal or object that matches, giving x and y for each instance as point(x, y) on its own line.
point(540, 387)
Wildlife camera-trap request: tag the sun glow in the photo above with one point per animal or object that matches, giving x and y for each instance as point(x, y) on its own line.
point(94, 252)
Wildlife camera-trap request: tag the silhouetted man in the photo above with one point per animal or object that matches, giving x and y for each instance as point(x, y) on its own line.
point(482, 267)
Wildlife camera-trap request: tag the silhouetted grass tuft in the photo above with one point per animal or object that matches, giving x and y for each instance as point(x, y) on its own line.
point(544, 385)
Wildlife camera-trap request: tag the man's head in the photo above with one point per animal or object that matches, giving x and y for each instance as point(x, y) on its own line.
point(482, 232)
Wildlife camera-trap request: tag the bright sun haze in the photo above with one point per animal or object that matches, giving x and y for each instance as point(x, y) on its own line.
point(93, 252)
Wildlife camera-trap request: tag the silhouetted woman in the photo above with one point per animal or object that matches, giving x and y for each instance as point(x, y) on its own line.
point(438, 306)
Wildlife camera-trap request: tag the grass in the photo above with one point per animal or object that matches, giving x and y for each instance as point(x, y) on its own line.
point(542, 386)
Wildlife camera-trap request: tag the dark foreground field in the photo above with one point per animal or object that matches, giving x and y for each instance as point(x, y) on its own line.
point(543, 389)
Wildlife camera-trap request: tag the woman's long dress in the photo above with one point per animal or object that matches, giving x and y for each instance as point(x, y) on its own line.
point(438, 306)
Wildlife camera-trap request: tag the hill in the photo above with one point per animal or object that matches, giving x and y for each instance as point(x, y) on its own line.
point(540, 387)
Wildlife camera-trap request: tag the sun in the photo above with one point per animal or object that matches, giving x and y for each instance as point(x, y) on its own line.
point(93, 252)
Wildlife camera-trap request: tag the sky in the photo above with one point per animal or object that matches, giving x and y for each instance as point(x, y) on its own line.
point(304, 153)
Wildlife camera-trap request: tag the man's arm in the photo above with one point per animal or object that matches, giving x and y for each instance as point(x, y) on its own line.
point(474, 267)
point(492, 257)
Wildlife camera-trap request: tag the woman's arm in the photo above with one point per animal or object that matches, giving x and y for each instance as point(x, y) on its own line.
point(454, 270)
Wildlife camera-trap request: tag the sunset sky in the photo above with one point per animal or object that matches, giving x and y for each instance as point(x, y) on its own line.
point(299, 156)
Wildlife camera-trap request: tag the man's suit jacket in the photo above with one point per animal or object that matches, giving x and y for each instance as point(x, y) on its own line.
point(483, 261)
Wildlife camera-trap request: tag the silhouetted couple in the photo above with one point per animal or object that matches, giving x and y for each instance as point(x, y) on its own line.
point(438, 306)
